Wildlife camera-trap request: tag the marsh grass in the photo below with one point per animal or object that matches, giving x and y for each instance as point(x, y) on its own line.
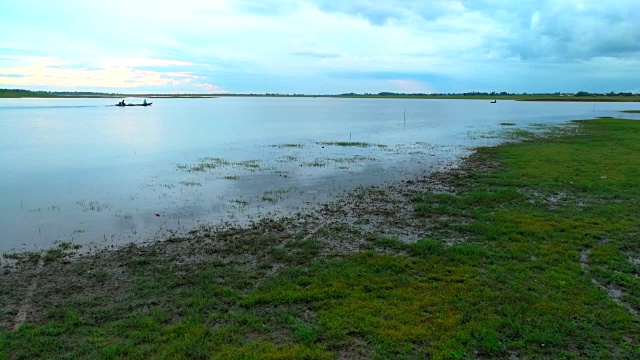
point(211, 163)
point(190, 183)
point(297, 146)
point(316, 163)
point(520, 286)
point(350, 143)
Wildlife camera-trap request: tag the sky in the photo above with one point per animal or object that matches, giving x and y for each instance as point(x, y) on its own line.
point(320, 46)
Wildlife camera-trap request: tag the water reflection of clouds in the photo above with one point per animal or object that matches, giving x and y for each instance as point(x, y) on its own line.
point(140, 134)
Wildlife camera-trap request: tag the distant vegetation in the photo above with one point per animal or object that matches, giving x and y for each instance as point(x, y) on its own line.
point(502, 95)
point(19, 93)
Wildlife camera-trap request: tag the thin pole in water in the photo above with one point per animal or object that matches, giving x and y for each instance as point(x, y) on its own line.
point(405, 115)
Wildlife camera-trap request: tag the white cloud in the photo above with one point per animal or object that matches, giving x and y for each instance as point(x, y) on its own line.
point(120, 73)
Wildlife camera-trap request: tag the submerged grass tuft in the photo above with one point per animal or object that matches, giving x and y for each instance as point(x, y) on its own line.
point(350, 143)
point(288, 146)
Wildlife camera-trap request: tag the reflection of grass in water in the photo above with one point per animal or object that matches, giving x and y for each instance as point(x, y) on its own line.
point(350, 143)
point(190, 183)
point(288, 146)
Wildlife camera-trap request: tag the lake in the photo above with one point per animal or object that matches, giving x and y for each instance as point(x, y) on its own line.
point(78, 170)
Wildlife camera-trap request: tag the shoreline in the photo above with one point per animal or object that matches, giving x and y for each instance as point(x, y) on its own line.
point(240, 278)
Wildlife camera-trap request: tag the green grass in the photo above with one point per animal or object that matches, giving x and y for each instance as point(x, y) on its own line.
point(516, 287)
point(631, 111)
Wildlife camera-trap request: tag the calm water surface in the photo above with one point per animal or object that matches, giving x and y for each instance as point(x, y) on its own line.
point(76, 169)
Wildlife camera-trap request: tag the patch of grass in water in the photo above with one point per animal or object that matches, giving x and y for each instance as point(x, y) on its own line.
point(240, 201)
point(350, 143)
point(211, 163)
point(316, 163)
point(299, 146)
point(353, 159)
point(273, 196)
point(631, 111)
point(190, 183)
point(507, 124)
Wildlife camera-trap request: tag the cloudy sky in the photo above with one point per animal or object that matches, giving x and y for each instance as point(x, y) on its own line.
point(320, 46)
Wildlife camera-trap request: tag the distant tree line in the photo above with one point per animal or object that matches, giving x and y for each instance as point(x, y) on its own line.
point(492, 93)
point(26, 93)
point(611, 93)
point(37, 92)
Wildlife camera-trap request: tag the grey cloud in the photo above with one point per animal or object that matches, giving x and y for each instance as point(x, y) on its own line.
point(529, 29)
point(572, 30)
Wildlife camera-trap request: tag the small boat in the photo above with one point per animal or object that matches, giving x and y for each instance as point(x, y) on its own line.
point(147, 104)
point(493, 102)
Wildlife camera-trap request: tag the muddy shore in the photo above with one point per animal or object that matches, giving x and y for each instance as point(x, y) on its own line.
point(40, 281)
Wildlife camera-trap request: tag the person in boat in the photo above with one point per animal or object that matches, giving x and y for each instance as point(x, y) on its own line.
point(121, 103)
point(144, 102)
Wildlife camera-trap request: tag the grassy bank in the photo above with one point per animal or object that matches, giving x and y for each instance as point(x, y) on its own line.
point(528, 250)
